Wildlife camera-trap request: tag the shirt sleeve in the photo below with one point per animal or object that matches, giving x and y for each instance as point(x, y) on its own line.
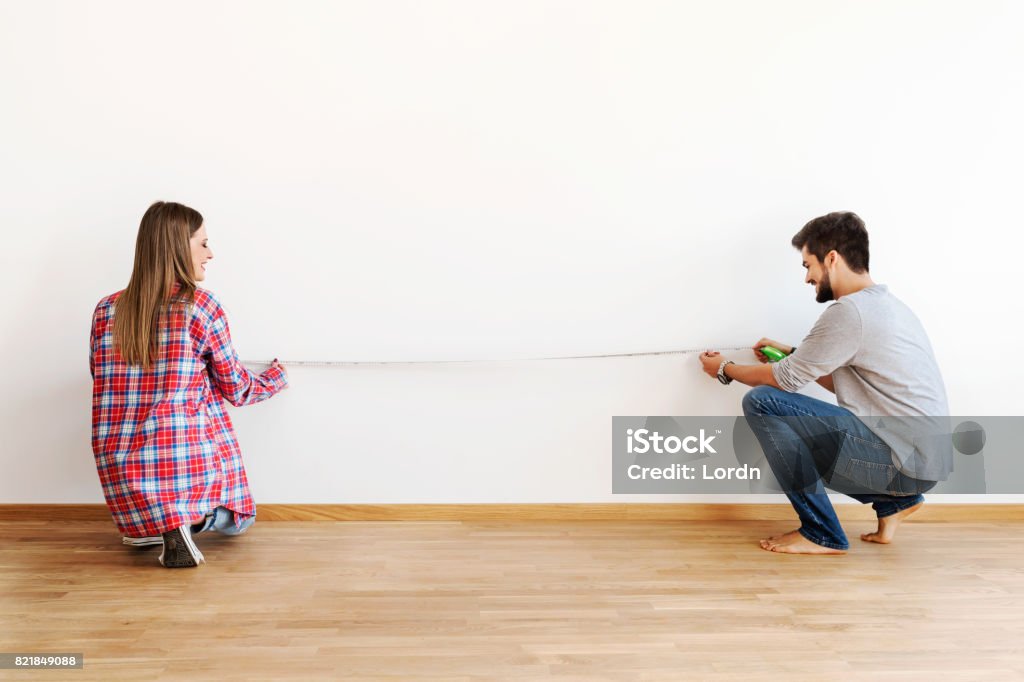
point(832, 343)
point(233, 380)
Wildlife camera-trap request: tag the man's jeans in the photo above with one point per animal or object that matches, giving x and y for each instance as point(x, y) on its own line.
point(809, 443)
point(222, 520)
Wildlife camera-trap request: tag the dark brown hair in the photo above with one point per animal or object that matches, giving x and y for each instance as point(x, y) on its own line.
point(842, 231)
point(163, 257)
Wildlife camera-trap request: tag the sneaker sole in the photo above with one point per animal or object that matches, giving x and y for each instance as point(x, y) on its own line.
point(151, 541)
point(183, 554)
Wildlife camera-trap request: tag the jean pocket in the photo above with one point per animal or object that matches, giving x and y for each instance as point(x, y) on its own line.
point(870, 477)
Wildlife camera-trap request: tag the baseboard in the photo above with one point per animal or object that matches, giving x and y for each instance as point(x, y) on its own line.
point(613, 511)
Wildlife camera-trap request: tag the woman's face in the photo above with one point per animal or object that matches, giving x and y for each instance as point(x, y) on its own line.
point(201, 253)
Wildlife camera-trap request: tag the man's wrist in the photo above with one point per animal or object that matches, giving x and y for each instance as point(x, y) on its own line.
point(723, 375)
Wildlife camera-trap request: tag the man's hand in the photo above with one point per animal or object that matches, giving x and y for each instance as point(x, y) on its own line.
point(711, 359)
point(785, 348)
point(751, 375)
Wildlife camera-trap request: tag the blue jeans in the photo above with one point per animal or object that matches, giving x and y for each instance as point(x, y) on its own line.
point(808, 443)
point(221, 520)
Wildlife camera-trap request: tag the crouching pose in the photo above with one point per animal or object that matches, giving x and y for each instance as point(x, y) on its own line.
point(870, 350)
point(161, 359)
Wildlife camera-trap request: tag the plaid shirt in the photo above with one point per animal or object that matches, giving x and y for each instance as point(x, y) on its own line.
point(165, 449)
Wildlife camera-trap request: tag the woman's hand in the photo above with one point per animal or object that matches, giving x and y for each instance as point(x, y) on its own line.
point(785, 348)
point(275, 363)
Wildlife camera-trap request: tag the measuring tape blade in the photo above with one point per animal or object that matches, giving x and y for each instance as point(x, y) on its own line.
point(353, 363)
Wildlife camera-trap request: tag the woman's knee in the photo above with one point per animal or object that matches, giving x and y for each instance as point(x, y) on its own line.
point(225, 522)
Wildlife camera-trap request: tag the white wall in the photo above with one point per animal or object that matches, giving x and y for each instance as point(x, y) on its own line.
point(464, 179)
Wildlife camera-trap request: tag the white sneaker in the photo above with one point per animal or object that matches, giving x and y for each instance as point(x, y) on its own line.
point(179, 550)
point(154, 540)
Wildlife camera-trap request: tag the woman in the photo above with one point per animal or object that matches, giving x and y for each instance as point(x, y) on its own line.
point(161, 359)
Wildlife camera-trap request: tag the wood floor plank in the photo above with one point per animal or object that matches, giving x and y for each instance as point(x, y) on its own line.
point(517, 600)
point(610, 511)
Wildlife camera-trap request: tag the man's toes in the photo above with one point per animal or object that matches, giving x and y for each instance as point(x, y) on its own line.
point(874, 537)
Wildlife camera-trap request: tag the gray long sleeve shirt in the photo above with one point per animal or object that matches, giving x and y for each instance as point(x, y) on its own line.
point(881, 364)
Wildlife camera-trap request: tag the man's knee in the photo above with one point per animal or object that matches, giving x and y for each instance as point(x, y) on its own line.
point(757, 399)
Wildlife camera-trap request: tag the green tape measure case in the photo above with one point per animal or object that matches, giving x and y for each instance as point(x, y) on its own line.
point(773, 354)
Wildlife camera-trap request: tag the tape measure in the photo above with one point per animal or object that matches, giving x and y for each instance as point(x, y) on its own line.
point(773, 354)
point(767, 350)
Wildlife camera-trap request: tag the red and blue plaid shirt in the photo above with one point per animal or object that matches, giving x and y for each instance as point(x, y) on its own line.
point(165, 449)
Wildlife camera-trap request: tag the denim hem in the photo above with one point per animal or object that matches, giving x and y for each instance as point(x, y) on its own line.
point(916, 499)
point(823, 543)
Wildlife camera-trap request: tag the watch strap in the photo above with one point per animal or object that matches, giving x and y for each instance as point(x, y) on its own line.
point(721, 372)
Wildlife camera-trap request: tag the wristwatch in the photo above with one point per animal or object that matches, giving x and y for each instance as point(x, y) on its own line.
point(721, 372)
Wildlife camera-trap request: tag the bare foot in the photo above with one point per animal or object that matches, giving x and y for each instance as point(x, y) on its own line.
point(887, 526)
point(795, 543)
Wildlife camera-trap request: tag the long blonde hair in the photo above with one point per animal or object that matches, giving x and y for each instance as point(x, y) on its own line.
point(163, 257)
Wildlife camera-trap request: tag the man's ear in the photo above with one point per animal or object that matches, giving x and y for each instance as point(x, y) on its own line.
point(831, 258)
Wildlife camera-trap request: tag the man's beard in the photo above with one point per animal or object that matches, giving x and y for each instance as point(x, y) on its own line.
point(825, 289)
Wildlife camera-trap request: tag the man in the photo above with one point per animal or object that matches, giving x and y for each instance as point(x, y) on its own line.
point(872, 352)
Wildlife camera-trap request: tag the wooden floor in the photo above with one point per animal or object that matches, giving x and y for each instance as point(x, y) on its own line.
point(585, 600)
